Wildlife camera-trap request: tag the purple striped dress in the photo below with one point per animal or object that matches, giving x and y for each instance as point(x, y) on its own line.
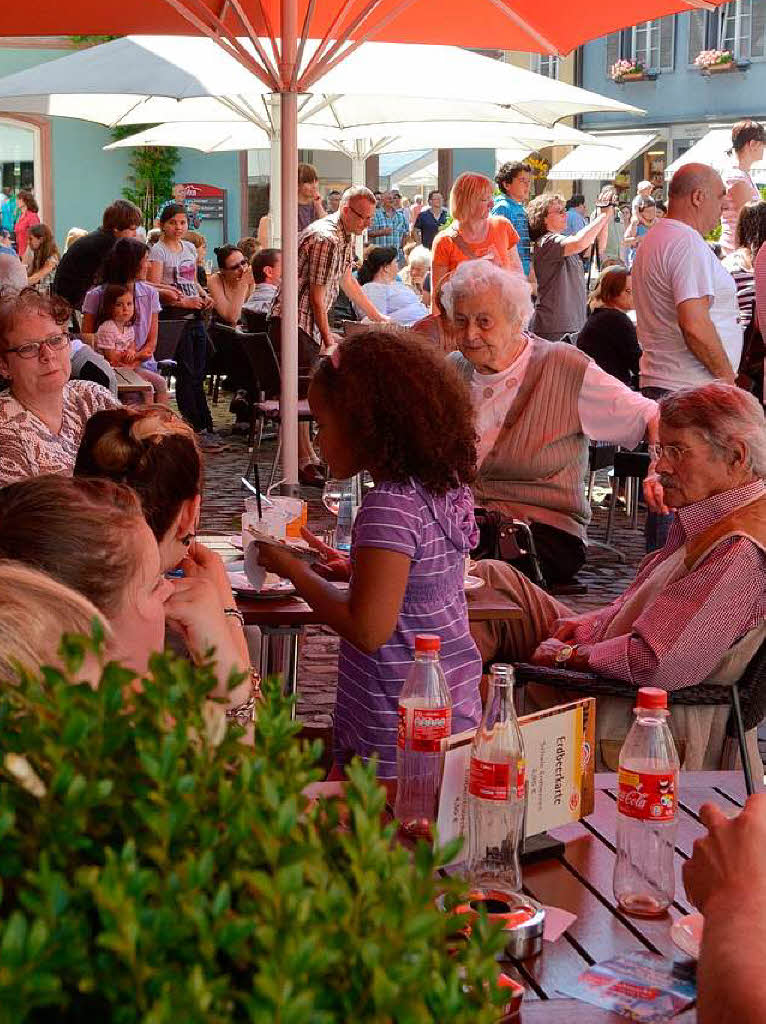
point(436, 532)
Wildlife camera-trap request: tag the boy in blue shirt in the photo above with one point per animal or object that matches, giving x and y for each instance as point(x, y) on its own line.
point(514, 179)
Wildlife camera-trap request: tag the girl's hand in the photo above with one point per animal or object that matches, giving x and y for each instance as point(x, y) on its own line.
point(278, 558)
point(332, 565)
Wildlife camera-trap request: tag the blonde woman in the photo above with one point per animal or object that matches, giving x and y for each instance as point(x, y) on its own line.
point(473, 234)
point(35, 612)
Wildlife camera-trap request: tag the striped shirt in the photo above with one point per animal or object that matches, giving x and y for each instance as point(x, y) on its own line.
point(436, 533)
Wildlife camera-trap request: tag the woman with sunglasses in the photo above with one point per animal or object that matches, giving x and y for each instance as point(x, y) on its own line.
point(43, 415)
point(231, 285)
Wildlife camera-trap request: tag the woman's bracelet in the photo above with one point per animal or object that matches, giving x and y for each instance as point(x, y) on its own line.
point(245, 713)
point(235, 613)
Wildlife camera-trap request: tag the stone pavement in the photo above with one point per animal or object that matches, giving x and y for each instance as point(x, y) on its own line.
point(223, 503)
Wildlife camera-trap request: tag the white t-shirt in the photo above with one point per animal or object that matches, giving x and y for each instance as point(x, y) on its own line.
point(674, 263)
point(179, 269)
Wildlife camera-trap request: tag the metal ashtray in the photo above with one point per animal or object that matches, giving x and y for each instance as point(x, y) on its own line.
point(523, 919)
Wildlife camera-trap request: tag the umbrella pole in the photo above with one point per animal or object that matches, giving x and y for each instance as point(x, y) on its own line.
point(358, 177)
point(289, 217)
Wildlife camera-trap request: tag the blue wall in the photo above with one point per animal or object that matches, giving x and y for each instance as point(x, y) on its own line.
point(86, 179)
point(679, 96)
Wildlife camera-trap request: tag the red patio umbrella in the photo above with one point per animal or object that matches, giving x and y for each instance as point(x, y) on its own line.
point(537, 26)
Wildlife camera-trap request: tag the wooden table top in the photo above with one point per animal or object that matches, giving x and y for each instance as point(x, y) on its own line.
point(580, 881)
point(129, 380)
point(484, 604)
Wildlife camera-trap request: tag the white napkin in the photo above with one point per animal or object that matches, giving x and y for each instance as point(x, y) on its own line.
point(254, 571)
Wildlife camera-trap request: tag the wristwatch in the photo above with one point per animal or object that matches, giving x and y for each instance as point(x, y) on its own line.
point(565, 654)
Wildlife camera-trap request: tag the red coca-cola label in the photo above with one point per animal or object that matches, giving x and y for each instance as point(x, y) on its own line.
point(649, 796)
point(429, 727)
point(492, 780)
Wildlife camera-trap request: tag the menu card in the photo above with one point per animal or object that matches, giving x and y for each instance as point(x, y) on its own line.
point(559, 750)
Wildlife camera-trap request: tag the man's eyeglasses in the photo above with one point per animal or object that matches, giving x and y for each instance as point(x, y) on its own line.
point(32, 349)
point(672, 452)
point(361, 216)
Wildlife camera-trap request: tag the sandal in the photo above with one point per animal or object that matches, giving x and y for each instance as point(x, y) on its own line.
point(311, 476)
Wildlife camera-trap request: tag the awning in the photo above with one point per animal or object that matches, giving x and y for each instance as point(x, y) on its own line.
point(713, 148)
point(603, 162)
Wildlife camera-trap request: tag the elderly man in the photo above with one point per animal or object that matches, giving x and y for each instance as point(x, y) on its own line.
point(695, 612)
point(325, 250)
point(13, 273)
point(537, 402)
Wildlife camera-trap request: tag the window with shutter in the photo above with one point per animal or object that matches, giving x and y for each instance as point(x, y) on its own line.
point(697, 33)
point(736, 28)
point(667, 43)
point(612, 50)
point(758, 29)
point(645, 44)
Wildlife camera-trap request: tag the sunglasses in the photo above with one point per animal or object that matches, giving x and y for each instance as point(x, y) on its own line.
point(238, 266)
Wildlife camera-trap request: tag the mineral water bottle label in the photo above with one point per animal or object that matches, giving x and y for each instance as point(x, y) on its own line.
point(648, 796)
point(491, 780)
point(429, 727)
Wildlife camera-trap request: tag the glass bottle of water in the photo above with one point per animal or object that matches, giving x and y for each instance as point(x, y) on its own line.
point(496, 792)
point(644, 875)
point(425, 720)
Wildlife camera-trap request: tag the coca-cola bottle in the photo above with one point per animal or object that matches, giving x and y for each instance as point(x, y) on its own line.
point(496, 792)
point(425, 721)
point(644, 877)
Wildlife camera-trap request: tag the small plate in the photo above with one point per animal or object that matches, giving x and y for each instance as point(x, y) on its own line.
point(472, 583)
point(686, 933)
point(240, 584)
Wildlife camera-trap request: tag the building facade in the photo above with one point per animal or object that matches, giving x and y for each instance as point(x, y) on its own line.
point(681, 101)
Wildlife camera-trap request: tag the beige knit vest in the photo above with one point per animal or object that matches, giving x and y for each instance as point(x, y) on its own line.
point(536, 469)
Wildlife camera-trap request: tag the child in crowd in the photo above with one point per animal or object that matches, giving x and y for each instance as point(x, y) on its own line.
point(173, 263)
point(115, 338)
point(390, 405)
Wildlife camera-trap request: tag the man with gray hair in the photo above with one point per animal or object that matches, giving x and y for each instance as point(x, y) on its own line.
point(696, 611)
point(325, 250)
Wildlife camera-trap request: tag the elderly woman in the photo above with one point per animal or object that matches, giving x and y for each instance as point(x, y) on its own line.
point(473, 233)
point(415, 271)
point(537, 403)
point(558, 263)
point(13, 274)
point(377, 276)
point(91, 536)
point(43, 416)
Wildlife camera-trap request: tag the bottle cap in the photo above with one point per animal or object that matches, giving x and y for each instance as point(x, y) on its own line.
point(652, 697)
point(427, 642)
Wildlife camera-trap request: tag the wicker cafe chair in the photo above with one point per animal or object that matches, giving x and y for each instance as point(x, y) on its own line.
point(747, 696)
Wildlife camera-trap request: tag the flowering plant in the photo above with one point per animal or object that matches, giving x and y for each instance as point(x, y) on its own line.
point(621, 68)
point(710, 58)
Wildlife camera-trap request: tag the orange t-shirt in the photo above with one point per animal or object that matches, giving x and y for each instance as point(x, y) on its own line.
point(497, 246)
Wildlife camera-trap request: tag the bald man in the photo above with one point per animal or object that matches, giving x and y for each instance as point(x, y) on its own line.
point(686, 303)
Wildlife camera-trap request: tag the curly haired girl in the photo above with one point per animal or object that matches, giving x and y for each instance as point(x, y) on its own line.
point(386, 403)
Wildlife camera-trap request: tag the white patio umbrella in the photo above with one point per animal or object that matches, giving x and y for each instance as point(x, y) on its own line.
point(223, 136)
point(200, 79)
point(713, 149)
